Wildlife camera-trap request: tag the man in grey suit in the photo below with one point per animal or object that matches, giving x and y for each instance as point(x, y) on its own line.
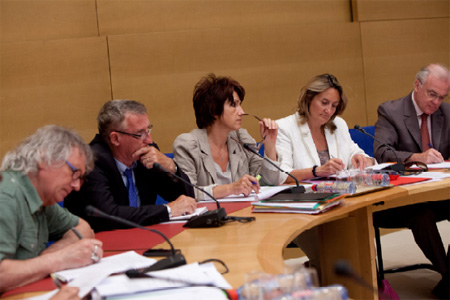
point(400, 121)
point(417, 127)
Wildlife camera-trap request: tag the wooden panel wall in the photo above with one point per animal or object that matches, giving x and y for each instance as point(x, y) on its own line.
point(60, 60)
point(30, 20)
point(52, 82)
point(378, 10)
point(153, 68)
point(390, 66)
point(123, 17)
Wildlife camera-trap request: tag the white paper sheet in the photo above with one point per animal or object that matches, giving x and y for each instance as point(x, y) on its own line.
point(192, 274)
point(264, 193)
point(198, 211)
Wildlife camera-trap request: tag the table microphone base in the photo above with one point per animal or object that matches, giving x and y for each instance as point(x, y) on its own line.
point(162, 264)
point(212, 218)
point(294, 190)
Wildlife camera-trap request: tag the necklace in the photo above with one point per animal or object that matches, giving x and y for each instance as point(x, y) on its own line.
point(221, 152)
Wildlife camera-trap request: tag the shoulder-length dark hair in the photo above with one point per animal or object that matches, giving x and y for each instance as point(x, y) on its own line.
point(315, 86)
point(210, 95)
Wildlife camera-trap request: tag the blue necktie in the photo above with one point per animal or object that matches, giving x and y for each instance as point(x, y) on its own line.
point(132, 196)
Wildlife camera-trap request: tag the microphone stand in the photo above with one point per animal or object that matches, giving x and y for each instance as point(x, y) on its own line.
point(294, 192)
point(398, 167)
point(172, 261)
point(343, 268)
point(212, 218)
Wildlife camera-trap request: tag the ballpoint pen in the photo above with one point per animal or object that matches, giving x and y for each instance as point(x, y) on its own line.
point(58, 280)
point(77, 233)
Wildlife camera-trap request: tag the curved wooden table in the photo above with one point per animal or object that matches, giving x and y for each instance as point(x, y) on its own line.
point(346, 232)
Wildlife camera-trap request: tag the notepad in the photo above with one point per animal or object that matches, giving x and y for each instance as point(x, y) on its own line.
point(86, 278)
point(198, 211)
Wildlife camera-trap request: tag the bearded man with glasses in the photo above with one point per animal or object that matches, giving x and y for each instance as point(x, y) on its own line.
point(417, 126)
point(124, 182)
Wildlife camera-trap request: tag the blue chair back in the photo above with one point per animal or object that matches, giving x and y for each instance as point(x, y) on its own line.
point(364, 142)
point(169, 155)
point(261, 150)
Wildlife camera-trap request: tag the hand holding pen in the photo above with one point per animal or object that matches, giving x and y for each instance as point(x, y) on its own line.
point(245, 185)
point(430, 156)
point(78, 254)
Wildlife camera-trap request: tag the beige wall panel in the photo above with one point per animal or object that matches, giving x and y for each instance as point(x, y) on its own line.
point(371, 10)
point(393, 53)
point(61, 82)
point(273, 63)
point(27, 20)
point(141, 16)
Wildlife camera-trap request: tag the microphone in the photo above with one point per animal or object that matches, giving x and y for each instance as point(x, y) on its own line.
point(343, 268)
point(175, 260)
point(212, 218)
point(398, 167)
point(298, 189)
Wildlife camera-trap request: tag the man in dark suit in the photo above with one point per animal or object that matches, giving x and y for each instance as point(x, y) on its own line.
point(124, 182)
point(417, 127)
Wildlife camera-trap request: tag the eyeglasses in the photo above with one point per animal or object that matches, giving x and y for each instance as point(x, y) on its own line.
point(414, 168)
point(260, 143)
point(139, 136)
point(76, 173)
point(433, 96)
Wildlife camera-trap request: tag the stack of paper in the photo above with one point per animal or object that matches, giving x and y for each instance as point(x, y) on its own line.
point(194, 279)
point(304, 206)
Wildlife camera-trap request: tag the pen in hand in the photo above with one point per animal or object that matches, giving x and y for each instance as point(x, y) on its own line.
point(77, 233)
point(59, 281)
point(258, 177)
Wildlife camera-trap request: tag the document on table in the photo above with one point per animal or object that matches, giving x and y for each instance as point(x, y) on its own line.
point(442, 165)
point(86, 278)
point(184, 276)
point(379, 166)
point(264, 193)
point(198, 211)
point(187, 293)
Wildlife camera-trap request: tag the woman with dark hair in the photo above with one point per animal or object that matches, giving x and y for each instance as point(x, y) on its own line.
point(213, 156)
point(315, 142)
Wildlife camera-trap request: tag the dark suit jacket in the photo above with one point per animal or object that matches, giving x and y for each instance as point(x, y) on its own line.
point(398, 127)
point(105, 189)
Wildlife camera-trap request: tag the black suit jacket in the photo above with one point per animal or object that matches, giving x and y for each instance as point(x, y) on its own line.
point(105, 189)
point(398, 127)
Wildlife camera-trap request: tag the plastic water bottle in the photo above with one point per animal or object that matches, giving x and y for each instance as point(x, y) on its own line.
point(379, 179)
point(362, 178)
point(335, 187)
point(332, 292)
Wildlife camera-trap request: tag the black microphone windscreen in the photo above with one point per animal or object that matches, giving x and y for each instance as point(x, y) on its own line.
point(93, 212)
point(341, 267)
point(357, 126)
